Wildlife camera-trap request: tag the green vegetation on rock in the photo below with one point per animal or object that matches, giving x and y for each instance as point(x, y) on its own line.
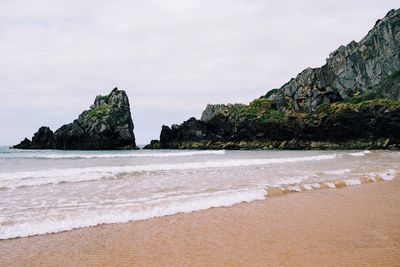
point(272, 115)
point(104, 98)
point(257, 107)
point(361, 98)
point(349, 103)
point(356, 106)
point(98, 112)
point(106, 125)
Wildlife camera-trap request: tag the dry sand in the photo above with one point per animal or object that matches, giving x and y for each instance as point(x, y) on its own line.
point(352, 226)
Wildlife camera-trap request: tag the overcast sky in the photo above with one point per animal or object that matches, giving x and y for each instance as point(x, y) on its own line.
point(172, 57)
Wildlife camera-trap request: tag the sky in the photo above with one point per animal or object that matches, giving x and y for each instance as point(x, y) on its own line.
point(171, 57)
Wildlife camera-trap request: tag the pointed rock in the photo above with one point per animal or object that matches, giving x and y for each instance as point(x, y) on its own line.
point(106, 125)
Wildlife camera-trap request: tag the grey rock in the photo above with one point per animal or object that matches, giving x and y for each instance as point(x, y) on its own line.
point(42, 139)
point(212, 110)
point(351, 69)
point(154, 144)
point(302, 114)
point(106, 125)
point(24, 144)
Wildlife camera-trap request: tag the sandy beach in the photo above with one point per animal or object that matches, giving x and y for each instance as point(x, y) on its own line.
point(351, 226)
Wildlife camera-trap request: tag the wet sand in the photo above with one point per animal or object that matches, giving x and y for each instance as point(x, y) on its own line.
point(351, 226)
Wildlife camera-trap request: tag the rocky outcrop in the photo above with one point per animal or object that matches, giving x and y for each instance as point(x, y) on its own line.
point(369, 124)
point(106, 125)
point(350, 70)
point(42, 139)
point(24, 144)
point(214, 109)
point(351, 102)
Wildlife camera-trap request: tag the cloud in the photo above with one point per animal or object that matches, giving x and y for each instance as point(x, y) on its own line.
point(172, 57)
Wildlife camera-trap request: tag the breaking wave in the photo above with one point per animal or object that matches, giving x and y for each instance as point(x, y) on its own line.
point(36, 178)
point(172, 205)
point(92, 217)
point(119, 155)
point(360, 154)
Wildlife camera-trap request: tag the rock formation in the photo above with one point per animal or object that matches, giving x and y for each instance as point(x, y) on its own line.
point(364, 125)
point(106, 125)
point(350, 70)
point(351, 102)
point(212, 110)
point(42, 139)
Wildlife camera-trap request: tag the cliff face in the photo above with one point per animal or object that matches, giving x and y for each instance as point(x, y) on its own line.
point(351, 102)
point(350, 70)
point(367, 124)
point(106, 125)
point(212, 110)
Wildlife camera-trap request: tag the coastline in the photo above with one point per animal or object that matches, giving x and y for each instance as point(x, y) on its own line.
point(348, 226)
point(305, 174)
point(290, 144)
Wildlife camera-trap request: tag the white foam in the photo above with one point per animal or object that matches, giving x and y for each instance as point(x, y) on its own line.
point(337, 172)
point(93, 218)
point(316, 185)
point(350, 182)
point(35, 178)
point(311, 186)
point(386, 176)
point(360, 154)
point(331, 185)
point(294, 188)
point(119, 155)
point(307, 187)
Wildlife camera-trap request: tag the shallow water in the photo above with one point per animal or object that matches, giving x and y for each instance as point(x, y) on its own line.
point(50, 191)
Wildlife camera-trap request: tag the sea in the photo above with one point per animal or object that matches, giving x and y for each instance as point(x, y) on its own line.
point(50, 191)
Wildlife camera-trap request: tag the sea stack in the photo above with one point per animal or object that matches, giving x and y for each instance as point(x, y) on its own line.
point(106, 125)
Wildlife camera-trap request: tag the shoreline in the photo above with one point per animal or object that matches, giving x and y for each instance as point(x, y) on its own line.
point(352, 225)
point(290, 144)
point(256, 194)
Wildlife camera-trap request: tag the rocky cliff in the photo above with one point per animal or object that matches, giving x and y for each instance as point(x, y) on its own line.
point(350, 102)
point(369, 124)
point(106, 125)
point(212, 110)
point(350, 70)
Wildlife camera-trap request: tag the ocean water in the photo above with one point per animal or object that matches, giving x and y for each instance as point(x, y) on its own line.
point(48, 191)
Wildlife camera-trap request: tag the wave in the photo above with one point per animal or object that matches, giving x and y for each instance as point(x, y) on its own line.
point(272, 190)
point(360, 154)
point(124, 213)
point(36, 178)
point(386, 176)
point(92, 218)
point(119, 155)
point(337, 172)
